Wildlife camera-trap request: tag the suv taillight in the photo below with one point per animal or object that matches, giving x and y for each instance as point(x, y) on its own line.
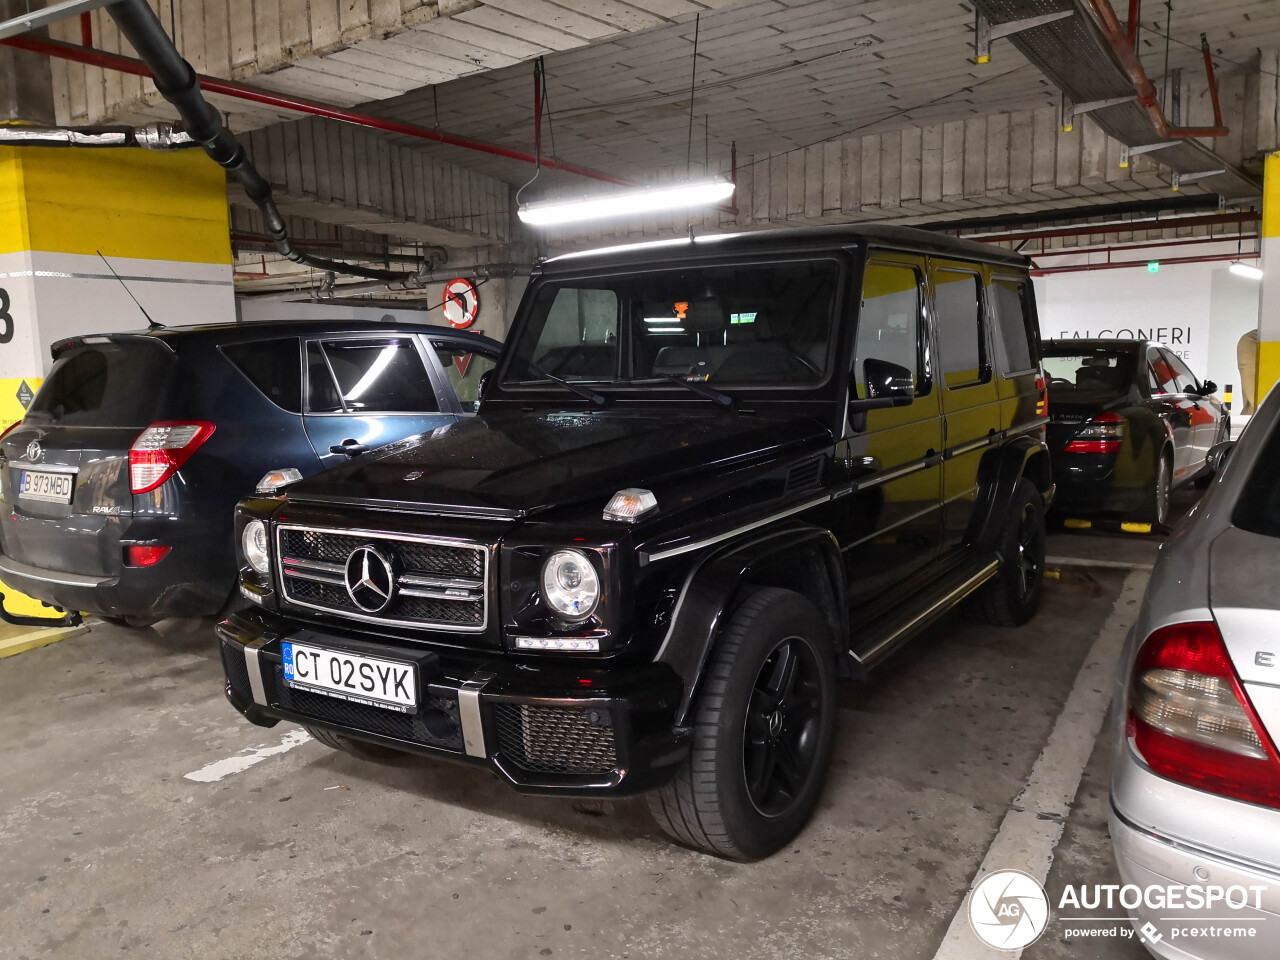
point(1191, 721)
point(1042, 402)
point(162, 449)
point(1102, 434)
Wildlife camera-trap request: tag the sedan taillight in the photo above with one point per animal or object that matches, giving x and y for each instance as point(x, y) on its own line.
point(1102, 434)
point(1191, 721)
point(162, 449)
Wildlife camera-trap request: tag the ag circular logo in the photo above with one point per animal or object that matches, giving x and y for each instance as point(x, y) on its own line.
point(1008, 910)
point(370, 579)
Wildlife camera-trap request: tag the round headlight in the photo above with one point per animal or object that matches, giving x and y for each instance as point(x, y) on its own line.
point(253, 541)
point(570, 585)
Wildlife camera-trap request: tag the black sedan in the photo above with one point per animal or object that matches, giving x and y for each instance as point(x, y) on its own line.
point(117, 488)
point(1127, 423)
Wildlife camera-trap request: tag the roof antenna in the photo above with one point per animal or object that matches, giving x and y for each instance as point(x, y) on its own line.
point(151, 324)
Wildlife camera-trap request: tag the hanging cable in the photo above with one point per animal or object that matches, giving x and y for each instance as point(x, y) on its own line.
point(537, 127)
point(693, 79)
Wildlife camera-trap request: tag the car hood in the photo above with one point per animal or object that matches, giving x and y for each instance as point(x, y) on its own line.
point(518, 463)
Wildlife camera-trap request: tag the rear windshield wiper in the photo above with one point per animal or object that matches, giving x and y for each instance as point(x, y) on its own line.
point(585, 392)
point(700, 387)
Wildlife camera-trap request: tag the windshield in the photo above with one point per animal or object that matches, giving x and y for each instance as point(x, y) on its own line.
point(747, 324)
point(1089, 372)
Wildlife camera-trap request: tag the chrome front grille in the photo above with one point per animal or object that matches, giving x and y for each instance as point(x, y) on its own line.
point(438, 584)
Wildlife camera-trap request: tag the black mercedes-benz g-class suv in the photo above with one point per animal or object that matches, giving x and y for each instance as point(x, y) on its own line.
point(708, 478)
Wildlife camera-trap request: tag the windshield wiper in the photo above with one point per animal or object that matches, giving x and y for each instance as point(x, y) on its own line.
point(585, 392)
point(700, 387)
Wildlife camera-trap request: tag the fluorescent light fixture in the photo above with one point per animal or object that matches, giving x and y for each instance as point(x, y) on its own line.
point(661, 319)
point(650, 199)
point(1242, 269)
point(654, 331)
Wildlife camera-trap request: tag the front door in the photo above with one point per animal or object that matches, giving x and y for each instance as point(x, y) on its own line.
point(893, 455)
point(365, 392)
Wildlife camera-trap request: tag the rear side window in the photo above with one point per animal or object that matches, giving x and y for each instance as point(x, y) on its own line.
point(464, 369)
point(274, 367)
point(1258, 509)
point(958, 299)
point(889, 320)
point(1017, 339)
point(108, 385)
point(1184, 379)
point(384, 375)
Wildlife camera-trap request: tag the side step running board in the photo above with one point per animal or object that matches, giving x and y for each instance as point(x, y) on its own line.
point(881, 637)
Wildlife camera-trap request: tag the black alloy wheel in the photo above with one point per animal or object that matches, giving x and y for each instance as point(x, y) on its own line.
point(783, 727)
point(1011, 597)
point(763, 728)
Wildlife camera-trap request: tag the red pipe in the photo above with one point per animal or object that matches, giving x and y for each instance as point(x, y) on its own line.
point(229, 88)
point(1150, 245)
point(1036, 272)
point(1135, 8)
point(1101, 229)
point(1213, 82)
point(86, 30)
point(1128, 57)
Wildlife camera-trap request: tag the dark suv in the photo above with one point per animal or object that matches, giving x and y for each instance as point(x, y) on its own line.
point(708, 478)
point(118, 486)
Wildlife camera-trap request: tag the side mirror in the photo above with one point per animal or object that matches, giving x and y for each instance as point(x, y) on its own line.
point(888, 385)
point(480, 387)
point(1207, 388)
point(1219, 453)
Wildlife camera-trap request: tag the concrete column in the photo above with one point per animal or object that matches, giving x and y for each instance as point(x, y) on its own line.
point(1268, 366)
point(26, 80)
point(160, 219)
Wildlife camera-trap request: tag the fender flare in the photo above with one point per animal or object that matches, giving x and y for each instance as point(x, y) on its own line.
point(998, 475)
point(713, 582)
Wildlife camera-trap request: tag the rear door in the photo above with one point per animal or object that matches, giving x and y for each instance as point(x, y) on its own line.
point(365, 392)
point(1177, 409)
point(1202, 411)
point(64, 478)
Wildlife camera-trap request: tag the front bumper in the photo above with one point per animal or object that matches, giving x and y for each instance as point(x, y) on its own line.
point(562, 729)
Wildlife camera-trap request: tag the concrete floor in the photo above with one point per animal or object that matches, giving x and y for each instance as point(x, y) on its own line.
point(110, 851)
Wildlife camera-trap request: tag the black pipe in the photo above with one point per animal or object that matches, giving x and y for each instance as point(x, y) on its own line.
point(177, 82)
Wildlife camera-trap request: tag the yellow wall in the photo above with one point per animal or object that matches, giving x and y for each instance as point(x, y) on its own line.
point(125, 202)
point(1269, 322)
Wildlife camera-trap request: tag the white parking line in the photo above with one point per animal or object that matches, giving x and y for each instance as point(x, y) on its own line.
point(1098, 564)
point(220, 769)
point(1033, 826)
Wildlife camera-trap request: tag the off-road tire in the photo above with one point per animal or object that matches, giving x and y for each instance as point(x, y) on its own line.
point(708, 805)
point(1010, 598)
point(360, 749)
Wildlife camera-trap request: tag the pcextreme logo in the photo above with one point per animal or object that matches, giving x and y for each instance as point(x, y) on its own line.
point(1008, 910)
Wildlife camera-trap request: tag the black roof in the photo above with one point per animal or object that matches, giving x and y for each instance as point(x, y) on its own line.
point(261, 329)
point(788, 241)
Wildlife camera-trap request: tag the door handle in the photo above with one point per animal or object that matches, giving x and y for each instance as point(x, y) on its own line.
point(350, 447)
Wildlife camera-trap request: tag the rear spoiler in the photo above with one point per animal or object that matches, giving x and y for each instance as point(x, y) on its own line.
point(59, 347)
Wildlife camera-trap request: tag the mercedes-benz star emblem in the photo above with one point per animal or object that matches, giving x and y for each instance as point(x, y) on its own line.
point(370, 579)
point(34, 451)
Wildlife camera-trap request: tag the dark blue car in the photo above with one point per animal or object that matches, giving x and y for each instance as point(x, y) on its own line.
point(118, 485)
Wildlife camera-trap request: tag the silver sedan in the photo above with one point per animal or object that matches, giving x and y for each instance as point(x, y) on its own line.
point(1195, 788)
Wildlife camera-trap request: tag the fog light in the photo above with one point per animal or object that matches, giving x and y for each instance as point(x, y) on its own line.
point(563, 644)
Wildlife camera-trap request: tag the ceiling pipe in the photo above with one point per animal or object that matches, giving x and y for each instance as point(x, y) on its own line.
point(431, 255)
point(1085, 267)
point(179, 84)
point(239, 91)
point(1125, 51)
point(1124, 226)
point(1149, 245)
point(152, 136)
